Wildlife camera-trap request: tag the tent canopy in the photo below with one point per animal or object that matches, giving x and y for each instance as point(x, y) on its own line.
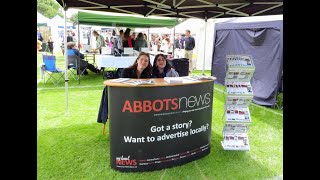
point(42, 20)
point(123, 21)
point(182, 8)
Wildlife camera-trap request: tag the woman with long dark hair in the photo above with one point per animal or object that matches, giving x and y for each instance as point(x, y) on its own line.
point(141, 68)
point(161, 68)
point(127, 40)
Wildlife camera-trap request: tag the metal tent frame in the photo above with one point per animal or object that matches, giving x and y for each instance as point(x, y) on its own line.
point(203, 9)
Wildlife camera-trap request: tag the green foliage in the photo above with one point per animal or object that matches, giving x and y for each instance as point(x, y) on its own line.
point(74, 19)
point(49, 8)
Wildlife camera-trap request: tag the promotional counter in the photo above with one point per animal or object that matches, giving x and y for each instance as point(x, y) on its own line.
point(160, 125)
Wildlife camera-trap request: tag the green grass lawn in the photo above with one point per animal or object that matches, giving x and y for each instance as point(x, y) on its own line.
point(72, 146)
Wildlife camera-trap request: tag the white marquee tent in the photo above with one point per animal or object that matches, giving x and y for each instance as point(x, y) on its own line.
point(42, 20)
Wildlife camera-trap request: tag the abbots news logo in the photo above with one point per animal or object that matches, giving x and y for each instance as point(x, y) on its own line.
point(173, 104)
point(125, 161)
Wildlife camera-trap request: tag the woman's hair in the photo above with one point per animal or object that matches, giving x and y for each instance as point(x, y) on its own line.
point(95, 32)
point(135, 64)
point(127, 33)
point(167, 39)
point(70, 45)
point(140, 35)
point(155, 70)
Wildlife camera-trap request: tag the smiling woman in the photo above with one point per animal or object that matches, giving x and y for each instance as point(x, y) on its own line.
point(161, 68)
point(141, 68)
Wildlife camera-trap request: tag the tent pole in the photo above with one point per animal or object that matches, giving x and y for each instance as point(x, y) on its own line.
point(204, 48)
point(174, 35)
point(66, 60)
point(148, 37)
point(78, 32)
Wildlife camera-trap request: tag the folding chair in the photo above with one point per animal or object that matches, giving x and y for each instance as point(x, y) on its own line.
point(74, 65)
point(49, 68)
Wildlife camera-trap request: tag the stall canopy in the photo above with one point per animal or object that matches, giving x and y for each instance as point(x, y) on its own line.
point(42, 20)
point(123, 21)
point(203, 9)
point(181, 8)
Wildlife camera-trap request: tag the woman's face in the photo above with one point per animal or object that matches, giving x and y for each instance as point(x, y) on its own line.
point(143, 62)
point(161, 62)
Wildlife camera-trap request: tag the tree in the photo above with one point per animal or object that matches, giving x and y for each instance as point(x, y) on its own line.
point(49, 8)
point(74, 18)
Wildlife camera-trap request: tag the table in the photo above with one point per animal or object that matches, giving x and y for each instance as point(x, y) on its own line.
point(115, 61)
point(158, 126)
point(111, 61)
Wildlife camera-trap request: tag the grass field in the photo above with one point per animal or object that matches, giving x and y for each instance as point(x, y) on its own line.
point(72, 146)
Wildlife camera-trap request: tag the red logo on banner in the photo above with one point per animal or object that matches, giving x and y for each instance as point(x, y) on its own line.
point(138, 106)
point(125, 161)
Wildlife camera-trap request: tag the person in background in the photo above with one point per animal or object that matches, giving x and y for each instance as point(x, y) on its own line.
point(127, 40)
point(69, 37)
point(169, 46)
point(161, 68)
point(188, 48)
point(100, 41)
point(74, 39)
point(145, 37)
point(178, 43)
point(140, 42)
point(50, 44)
point(39, 43)
point(88, 36)
point(134, 38)
point(164, 45)
point(39, 35)
point(107, 41)
point(72, 50)
point(141, 68)
point(183, 37)
point(152, 42)
point(117, 41)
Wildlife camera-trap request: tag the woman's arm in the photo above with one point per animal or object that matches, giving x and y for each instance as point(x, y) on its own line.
point(77, 52)
point(172, 73)
point(125, 73)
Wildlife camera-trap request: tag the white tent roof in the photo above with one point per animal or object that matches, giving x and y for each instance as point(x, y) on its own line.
point(58, 21)
point(42, 19)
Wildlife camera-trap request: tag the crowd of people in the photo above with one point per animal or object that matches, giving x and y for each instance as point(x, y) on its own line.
point(121, 39)
point(156, 43)
point(118, 41)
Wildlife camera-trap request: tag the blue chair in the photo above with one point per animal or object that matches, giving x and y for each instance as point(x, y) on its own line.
point(49, 68)
point(74, 65)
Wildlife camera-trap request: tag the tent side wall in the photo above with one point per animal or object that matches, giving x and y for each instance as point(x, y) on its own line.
point(262, 40)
